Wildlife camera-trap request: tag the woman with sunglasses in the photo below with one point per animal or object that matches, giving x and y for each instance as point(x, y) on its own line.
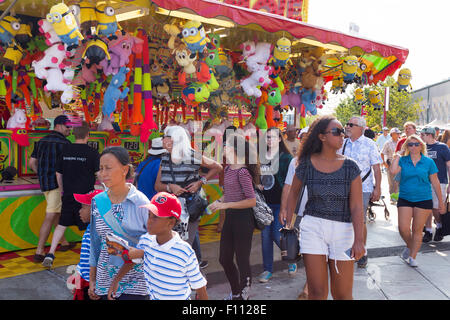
point(332, 226)
point(417, 174)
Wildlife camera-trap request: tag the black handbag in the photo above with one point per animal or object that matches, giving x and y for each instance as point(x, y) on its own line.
point(195, 204)
point(445, 221)
point(290, 245)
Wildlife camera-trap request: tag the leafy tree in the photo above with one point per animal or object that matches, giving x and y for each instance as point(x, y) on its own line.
point(402, 107)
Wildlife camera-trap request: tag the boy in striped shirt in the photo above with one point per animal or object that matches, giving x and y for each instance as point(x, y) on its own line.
point(83, 268)
point(170, 265)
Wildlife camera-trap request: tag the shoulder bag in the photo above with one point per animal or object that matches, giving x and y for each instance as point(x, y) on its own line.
point(370, 169)
point(262, 213)
point(195, 203)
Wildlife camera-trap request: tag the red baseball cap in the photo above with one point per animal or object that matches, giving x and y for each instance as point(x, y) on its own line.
point(86, 198)
point(164, 205)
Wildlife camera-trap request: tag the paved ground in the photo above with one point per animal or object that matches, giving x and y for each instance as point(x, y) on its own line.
point(387, 277)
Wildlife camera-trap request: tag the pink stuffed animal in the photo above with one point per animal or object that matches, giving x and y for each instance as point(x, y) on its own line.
point(120, 51)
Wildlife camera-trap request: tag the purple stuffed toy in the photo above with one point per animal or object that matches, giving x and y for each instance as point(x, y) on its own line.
point(120, 51)
point(291, 99)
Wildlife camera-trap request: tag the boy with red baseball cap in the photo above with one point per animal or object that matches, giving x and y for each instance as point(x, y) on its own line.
point(83, 268)
point(170, 265)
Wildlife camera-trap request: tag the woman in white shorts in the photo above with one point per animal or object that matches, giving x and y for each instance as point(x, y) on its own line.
point(332, 227)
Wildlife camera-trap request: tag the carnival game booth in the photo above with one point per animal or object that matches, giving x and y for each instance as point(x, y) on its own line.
point(131, 67)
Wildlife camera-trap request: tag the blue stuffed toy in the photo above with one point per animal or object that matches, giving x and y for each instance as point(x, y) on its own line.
point(309, 100)
point(113, 93)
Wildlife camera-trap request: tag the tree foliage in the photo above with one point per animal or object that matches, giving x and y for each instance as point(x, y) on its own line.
point(402, 107)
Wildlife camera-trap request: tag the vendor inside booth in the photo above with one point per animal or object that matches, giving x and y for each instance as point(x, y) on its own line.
point(132, 67)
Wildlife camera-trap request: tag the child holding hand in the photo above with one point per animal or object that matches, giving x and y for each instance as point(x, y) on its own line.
point(170, 265)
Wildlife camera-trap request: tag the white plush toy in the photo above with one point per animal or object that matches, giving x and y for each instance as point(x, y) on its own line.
point(18, 119)
point(257, 79)
point(49, 33)
point(260, 57)
point(106, 124)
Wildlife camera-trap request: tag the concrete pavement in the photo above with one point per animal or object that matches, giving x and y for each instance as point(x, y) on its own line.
point(387, 276)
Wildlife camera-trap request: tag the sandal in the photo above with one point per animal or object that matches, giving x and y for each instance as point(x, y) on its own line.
point(38, 258)
point(67, 247)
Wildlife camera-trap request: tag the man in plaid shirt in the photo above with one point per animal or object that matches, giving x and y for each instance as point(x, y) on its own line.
point(43, 161)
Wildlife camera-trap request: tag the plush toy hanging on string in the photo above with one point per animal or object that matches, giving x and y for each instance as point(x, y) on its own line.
point(194, 36)
point(113, 93)
point(9, 27)
point(375, 100)
point(120, 51)
point(404, 79)
point(349, 68)
point(359, 96)
point(65, 25)
point(107, 22)
point(281, 53)
point(85, 10)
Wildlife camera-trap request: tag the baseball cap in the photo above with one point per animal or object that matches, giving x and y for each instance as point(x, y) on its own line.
point(61, 119)
point(386, 129)
point(428, 130)
point(395, 130)
point(164, 205)
point(86, 198)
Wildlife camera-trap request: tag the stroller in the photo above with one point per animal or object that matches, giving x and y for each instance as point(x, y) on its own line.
point(371, 213)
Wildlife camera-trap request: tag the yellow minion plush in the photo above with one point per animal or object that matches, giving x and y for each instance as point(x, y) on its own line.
point(375, 99)
point(281, 53)
point(359, 96)
point(404, 79)
point(349, 68)
point(12, 56)
point(85, 10)
point(107, 22)
point(9, 27)
point(65, 25)
point(194, 36)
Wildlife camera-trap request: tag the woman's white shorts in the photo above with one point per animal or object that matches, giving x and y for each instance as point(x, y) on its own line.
point(326, 237)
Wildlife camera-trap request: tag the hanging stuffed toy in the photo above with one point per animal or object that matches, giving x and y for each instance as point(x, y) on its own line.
point(20, 136)
point(281, 53)
point(87, 17)
point(107, 22)
point(359, 96)
point(120, 51)
point(309, 101)
point(375, 100)
point(252, 84)
point(194, 36)
point(192, 71)
point(9, 27)
point(113, 93)
point(24, 35)
point(337, 85)
point(195, 93)
point(65, 25)
point(46, 28)
point(256, 59)
point(404, 79)
point(95, 52)
point(349, 68)
point(12, 56)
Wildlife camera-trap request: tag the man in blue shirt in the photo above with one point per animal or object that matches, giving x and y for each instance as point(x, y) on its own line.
point(440, 153)
point(147, 171)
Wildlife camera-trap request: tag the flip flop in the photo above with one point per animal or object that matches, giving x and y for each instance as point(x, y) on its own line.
point(67, 247)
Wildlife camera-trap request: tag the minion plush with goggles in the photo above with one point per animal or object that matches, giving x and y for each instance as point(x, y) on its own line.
point(281, 53)
point(9, 27)
point(349, 68)
point(65, 25)
point(404, 79)
point(107, 22)
point(375, 100)
point(359, 96)
point(194, 36)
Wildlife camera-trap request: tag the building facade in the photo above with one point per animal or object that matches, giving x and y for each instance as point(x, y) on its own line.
point(435, 102)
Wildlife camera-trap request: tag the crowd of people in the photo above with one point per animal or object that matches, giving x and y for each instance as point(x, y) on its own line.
point(320, 180)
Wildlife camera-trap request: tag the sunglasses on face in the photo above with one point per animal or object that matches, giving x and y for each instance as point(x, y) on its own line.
point(351, 125)
point(336, 131)
point(413, 144)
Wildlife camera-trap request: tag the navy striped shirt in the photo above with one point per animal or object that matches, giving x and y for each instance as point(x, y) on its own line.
point(48, 151)
point(83, 267)
point(171, 269)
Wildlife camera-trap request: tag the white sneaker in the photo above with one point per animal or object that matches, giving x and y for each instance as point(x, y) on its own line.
point(405, 254)
point(412, 262)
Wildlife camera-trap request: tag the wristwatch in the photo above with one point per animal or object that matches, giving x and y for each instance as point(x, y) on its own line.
point(125, 256)
point(168, 189)
point(203, 180)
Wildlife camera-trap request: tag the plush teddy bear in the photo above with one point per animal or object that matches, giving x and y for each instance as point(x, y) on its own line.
point(17, 120)
point(113, 93)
